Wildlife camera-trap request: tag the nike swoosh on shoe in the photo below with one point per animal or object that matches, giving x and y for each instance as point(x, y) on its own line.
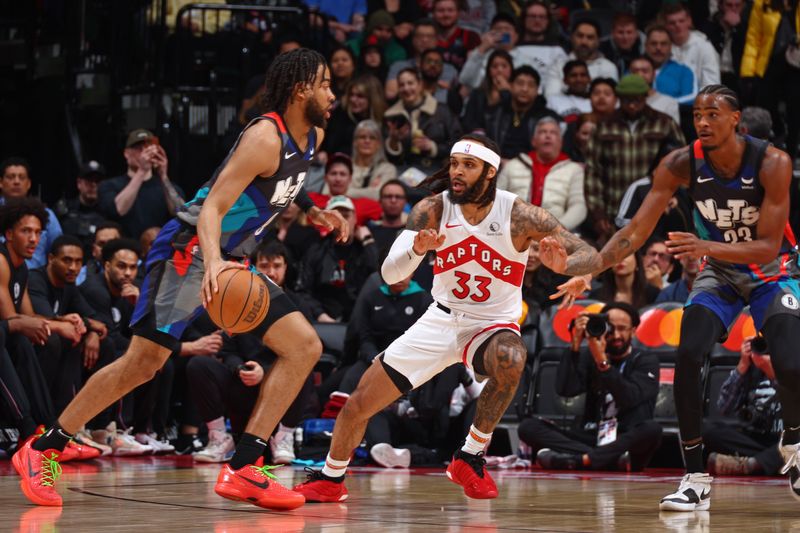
point(262, 485)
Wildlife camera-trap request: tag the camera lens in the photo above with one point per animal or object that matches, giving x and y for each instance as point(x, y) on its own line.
point(596, 326)
point(759, 345)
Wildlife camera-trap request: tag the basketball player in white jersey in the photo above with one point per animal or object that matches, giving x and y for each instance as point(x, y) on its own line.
point(481, 236)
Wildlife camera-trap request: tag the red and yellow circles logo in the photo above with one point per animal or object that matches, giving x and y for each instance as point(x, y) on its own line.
point(563, 317)
point(660, 327)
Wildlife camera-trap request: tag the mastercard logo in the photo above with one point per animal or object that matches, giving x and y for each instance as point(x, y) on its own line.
point(660, 326)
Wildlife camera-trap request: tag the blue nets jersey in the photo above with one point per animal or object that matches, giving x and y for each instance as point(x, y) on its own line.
point(244, 225)
point(727, 210)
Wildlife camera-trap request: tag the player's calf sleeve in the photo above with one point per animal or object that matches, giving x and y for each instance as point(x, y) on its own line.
point(783, 336)
point(700, 329)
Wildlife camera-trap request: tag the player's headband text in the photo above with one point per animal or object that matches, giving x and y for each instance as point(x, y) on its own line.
point(476, 150)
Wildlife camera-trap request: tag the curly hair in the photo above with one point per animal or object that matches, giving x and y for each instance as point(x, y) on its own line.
point(15, 209)
point(284, 74)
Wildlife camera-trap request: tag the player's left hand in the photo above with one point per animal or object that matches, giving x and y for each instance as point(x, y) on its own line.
point(553, 255)
point(571, 290)
point(331, 219)
point(682, 244)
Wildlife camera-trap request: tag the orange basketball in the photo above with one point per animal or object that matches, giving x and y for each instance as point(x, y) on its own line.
point(241, 303)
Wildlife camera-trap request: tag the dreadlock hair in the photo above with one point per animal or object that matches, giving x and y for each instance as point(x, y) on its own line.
point(16, 208)
point(726, 93)
point(284, 74)
point(440, 180)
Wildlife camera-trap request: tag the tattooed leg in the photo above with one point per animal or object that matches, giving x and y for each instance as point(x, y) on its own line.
point(504, 360)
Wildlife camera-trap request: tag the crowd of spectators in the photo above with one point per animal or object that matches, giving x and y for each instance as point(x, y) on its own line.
point(583, 102)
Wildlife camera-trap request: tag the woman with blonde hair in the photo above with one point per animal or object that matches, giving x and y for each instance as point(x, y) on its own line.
point(362, 100)
point(370, 167)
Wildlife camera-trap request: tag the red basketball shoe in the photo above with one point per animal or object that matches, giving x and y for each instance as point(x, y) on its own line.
point(319, 490)
point(75, 451)
point(469, 471)
point(39, 471)
point(256, 485)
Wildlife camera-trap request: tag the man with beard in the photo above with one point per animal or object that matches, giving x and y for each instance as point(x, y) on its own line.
point(481, 236)
point(215, 231)
point(431, 69)
point(585, 40)
point(78, 334)
point(617, 430)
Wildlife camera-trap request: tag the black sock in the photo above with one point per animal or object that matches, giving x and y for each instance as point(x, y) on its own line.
point(791, 435)
point(693, 456)
point(338, 479)
point(54, 438)
point(249, 449)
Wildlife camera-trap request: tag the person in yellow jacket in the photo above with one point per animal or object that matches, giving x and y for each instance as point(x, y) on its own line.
point(771, 45)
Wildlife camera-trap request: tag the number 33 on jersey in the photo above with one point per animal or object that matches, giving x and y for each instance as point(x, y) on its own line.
point(477, 270)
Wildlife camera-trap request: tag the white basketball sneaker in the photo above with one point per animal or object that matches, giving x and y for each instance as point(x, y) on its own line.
point(282, 447)
point(693, 494)
point(791, 456)
point(388, 457)
point(220, 448)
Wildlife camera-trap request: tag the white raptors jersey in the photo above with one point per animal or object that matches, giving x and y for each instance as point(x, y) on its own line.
point(478, 271)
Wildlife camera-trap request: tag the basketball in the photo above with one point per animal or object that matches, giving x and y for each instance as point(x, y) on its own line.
point(241, 303)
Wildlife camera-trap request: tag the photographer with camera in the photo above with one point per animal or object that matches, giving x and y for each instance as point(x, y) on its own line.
point(617, 427)
point(749, 394)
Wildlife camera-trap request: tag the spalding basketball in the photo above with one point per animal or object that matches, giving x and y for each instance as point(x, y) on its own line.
point(241, 303)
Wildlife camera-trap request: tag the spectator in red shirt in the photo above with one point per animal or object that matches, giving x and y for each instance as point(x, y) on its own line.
point(338, 176)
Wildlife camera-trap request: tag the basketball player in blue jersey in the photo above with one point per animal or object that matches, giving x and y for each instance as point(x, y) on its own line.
point(740, 189)
point(263, 174)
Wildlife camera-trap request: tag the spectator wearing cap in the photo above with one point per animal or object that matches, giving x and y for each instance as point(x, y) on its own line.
point(622, 150)
point(378, 32)
point(672, 78)
point(80, 216)
point(338, 179)
point(15, 182)
point(423, 38)
point(511, 123)
point(453, 40)
point(420, 130)
point(624, 43)
point(332, 272)
point(585, 40)
point(644, 67)
point(144, 196)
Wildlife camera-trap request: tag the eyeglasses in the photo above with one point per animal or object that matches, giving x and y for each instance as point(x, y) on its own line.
point(393, 197)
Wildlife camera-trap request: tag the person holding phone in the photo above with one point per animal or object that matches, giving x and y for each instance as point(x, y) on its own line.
point(502, 35)
point(135, 199)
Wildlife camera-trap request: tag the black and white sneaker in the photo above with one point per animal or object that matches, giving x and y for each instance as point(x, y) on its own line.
point(693, 494)
point(791, 456)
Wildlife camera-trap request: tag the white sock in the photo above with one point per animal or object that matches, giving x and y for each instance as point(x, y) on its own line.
point(284, 429)
point(218, 424)
point(476, 441)
point(334, 468)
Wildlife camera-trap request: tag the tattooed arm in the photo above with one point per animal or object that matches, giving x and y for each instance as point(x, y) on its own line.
point(532, 223)
point(426, 214)
point(672, 172)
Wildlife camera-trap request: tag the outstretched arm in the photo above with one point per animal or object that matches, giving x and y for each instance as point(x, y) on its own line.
point(775, 176)
point(560, 250)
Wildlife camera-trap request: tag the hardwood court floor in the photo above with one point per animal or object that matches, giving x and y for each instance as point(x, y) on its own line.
point(150, 495)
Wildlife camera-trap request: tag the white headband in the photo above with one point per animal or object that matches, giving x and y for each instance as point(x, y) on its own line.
point(477, 150)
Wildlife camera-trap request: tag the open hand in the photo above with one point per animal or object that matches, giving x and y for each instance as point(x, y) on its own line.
point(427, 239)
point(572, 289)
point(553, 255)
point(682, 244)
point(210, 286)
point(331, 219)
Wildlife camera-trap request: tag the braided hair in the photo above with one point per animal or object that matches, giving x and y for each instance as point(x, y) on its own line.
point(285, 72)
point(724, 92)
point(440, 180)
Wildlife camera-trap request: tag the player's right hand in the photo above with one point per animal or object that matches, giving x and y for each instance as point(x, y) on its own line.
point(210, 287)
point(427, 239)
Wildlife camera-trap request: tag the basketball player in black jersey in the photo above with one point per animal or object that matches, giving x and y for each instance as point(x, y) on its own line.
point(263, 174)
point(740, 189)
